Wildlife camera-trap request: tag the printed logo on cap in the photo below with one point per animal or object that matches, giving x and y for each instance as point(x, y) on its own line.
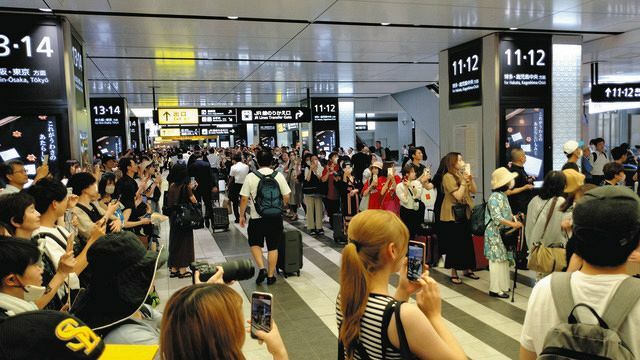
point(69, 330)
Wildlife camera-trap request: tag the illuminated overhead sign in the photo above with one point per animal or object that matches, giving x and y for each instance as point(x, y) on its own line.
point(275, 115)
point(218, 115)
point(465, 75)
point(525, 66)
point(178, 116)
point(615, 92)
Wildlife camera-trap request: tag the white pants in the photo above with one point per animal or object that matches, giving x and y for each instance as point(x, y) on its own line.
point(499, 276)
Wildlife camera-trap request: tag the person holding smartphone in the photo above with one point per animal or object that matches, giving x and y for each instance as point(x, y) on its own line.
point(409, 191)
point(205, 321)
point(377, 248)
point(390, 200)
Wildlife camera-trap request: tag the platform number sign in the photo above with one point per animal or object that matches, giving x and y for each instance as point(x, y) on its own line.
point(615, 92)
point(107, 111)
point(525, 66)
point(465, 75)
point(31, 66)
point(324, 109)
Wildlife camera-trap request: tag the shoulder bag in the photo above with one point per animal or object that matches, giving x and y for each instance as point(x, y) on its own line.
point(547, 259)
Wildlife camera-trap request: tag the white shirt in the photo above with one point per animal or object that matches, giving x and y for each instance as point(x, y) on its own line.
point(9, 189)
point(214, 160)
point(409, 200)
point(15, 306)
point(239, 171)
point(599, 164)
point(250, 188)
point(593, 290)
point(54, 252)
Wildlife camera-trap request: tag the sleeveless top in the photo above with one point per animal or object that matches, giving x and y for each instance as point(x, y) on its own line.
point(373, 329)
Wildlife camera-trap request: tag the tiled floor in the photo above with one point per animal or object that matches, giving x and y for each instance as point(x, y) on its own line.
point(487, 328)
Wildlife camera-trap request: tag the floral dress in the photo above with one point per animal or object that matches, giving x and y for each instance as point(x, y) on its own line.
point(498, 209)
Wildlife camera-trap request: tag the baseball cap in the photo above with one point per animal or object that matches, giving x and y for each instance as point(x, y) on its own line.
point(47, 334)
point(570, 146)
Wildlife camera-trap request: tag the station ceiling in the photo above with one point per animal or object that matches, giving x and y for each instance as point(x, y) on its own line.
point(196, 53)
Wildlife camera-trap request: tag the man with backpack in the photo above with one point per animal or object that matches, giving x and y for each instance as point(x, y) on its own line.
point(605, 324)
point(269, 194)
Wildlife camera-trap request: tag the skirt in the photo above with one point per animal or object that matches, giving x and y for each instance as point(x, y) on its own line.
point(181, 250)
point(459, 245)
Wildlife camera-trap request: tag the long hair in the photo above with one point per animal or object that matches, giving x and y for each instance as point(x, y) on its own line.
point(450, 162)
point(203, 321)
point(369, 234)
point(553, 185)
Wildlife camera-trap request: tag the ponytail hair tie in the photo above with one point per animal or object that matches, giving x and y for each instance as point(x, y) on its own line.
point(357, 244)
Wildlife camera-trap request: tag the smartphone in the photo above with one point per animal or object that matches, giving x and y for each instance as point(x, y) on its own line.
point(69, 191)
point(144, 199)
point(45, 160)
point(260, 312)
point(467, 169)
point(389, 172)
point(415, 260)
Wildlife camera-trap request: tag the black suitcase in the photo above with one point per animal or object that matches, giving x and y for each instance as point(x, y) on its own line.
point(337, 222)
point(290, 253)
point(220, 219)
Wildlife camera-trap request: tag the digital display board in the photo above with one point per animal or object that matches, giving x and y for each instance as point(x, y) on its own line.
point(29, 138)
point(109, 125)
point(465, 75)
point(525, 66)
point(31, 60)
point(615, 92)
point(178, 116)
point(524, 129)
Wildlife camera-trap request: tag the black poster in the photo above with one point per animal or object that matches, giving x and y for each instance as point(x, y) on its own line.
point(78, 72)
point(108, 125)
point(524, 129)
point(525, 66)
point(268, 135)
point(615, 92)
point(465, 75)
point(29, 138)
point(31, 60)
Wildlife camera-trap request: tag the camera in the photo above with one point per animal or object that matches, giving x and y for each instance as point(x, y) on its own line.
point(233, 270)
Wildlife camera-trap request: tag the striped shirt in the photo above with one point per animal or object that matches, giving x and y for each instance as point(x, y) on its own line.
point(373, 333)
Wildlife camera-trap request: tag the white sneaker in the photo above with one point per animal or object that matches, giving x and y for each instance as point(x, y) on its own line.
point(326, 219)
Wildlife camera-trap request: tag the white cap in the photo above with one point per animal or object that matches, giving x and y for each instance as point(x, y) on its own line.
point(570, 146)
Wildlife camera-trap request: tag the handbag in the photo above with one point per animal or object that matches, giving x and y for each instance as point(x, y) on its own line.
point(227, 205)
point(547, 259)
point(509, 237)
point(459, 212)
point(188, 216)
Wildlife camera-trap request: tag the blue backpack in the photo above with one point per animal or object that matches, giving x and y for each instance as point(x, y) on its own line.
point(268, 201)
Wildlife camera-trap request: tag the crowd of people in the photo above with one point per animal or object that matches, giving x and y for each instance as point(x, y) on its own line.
point(85, 243)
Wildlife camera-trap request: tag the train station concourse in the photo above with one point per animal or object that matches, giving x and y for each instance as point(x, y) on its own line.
point(319, 179)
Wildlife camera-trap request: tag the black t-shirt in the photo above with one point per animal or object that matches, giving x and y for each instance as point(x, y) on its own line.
point(519, 202)
point(127, 188)
point(360, 162)
point(571, 165)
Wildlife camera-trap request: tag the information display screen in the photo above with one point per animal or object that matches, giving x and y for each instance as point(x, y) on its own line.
point(17, 135)
point(524, 129)
point(31, 59)
point(525, 66)
point(465, 75)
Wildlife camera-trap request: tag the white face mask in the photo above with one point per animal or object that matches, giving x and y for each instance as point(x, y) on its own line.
point(33, 292)
point(110, 189)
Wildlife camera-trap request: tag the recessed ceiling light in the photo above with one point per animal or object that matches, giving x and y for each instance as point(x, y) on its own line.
point(45, 10)
point(513, 28)
point(232, 17)
point(385, 24)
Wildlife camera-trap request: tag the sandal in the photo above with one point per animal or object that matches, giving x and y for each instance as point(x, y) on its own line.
point(455, 280)
point(185, 274)
point(472, 276)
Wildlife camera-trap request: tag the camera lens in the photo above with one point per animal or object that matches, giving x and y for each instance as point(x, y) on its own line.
point(238, 270)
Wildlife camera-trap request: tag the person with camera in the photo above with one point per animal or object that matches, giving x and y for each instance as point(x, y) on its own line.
point(498, 217)
point(366, 312)
point(269, 193)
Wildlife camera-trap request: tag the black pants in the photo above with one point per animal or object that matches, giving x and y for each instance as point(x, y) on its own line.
point(234, 196)
point(203, 194)
point(331, 206)
point(410, 219)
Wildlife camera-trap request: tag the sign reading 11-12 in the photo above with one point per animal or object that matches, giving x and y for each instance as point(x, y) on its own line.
point(465, 74)
point(525, 66)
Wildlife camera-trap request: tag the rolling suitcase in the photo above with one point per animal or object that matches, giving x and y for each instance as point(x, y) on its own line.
point(337, 222)
point(431, 246)
point(478, 248)
point(290, 253)
point(220, 219)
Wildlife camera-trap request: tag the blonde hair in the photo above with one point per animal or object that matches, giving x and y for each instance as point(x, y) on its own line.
point(203, 321)
point(370, 232)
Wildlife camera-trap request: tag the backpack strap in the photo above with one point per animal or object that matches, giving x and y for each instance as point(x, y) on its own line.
point(624, 300)
point(562, 294)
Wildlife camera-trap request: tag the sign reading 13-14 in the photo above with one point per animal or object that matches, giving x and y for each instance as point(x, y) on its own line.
point(465, 74)
point(30, 59)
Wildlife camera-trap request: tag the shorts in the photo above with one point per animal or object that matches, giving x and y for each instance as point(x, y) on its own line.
point(265, 229)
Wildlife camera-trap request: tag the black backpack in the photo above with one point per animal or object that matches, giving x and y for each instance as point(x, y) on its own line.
point(268, 201)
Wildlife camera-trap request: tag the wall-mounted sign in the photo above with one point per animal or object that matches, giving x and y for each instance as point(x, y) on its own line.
point(78, 72)
point(465, 75)
point(615, 92)
point(275, 115)
point(31, 65)
point(525, 66)
point(110, 128)
point(324, 109)
point(107, 111)
point(178, 116)
point(218, 115)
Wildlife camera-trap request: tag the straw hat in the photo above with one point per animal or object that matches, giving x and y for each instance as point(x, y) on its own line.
point(501, 177)
point(377, 164)
point(574, 180)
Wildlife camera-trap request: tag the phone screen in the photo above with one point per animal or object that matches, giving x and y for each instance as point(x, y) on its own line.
point(144, 199)
point(415, 260)
point(260, 312)
point(467, 169)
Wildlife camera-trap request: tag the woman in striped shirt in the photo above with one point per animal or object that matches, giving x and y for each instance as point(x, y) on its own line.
point(366, 313)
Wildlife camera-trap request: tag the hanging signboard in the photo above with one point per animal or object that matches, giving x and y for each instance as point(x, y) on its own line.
point(615, 92)
point(324, 116)
point(324, 109)
point(218, 116)
point(178, 116)
point(525, 66)
point(275, 115)
point(109, 126)
point(31, 60)
point(465, 75)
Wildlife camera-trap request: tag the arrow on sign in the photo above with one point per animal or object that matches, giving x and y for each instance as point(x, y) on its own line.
point(299, 114)
point(607, 92)
point(232, 131)
point(166, 116)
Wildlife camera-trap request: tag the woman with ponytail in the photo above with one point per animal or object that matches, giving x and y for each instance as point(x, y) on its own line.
point(373, 324)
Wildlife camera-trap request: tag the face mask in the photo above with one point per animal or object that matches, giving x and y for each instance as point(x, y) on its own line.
point(33, 292)
point(110, 189)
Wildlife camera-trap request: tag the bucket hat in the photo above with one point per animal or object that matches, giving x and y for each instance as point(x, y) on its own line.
point(501, 177)
point(574, 180)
